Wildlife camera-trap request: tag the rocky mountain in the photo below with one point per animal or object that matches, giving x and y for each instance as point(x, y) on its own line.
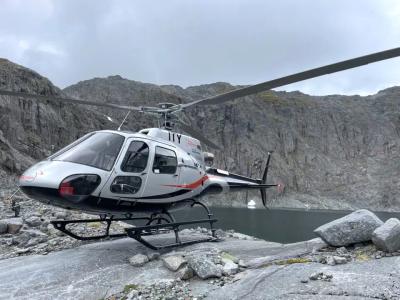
point(31, 130)
point(330, 152)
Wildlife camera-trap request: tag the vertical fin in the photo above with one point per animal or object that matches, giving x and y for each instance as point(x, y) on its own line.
point(264, 180)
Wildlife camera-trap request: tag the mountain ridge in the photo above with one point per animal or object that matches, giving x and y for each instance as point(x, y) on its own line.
point(330, 151)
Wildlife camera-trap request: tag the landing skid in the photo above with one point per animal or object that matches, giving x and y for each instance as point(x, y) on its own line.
point(157, 223)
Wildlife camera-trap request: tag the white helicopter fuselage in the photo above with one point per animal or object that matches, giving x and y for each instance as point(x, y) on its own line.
point(121, 172)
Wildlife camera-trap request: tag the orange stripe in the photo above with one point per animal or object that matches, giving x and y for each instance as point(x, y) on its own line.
point(192, 185)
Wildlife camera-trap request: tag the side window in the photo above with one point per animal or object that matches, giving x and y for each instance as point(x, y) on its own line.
point(126, 184)
point(136, 157)
point(165, 161)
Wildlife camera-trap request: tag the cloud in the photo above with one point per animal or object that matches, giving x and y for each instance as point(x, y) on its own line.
point(195, 42)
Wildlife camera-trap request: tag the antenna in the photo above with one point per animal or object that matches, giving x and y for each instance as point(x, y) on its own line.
point(123, 121)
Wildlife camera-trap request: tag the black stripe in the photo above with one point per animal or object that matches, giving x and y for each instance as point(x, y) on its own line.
point(169, 195)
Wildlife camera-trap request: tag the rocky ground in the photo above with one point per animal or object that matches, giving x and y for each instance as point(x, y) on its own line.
point(32, 233)
point(236, 267)
point(295, 271)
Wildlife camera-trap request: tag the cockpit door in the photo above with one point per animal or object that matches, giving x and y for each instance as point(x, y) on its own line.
point(129, 175)
point(163, 173)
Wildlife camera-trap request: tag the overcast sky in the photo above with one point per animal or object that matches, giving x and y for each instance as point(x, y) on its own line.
point(196, 42)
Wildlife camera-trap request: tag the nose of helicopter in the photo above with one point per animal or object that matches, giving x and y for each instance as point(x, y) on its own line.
point(61, 183)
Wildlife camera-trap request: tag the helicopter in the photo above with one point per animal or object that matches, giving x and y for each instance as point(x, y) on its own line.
point(144, 176)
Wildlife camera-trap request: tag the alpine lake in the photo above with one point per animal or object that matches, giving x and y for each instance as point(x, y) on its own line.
point(275, 225)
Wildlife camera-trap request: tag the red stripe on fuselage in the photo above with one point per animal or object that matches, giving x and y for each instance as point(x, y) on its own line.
point(192, 185)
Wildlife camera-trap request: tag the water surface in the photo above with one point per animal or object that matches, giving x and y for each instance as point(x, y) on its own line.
point(276, 225)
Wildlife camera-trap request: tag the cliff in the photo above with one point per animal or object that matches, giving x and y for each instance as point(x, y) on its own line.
point(330, 152)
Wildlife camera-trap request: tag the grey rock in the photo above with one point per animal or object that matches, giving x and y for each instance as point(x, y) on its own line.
point(204, 267)
point(242, 264)
point(387, 236)
point(353, 228)
point(229, 267)
point(153, 255)
point(185, 273)
point(3, 227)
point(174, 262)
point(330, 261)
point(220, 233)
point(339, 260)
point(138, 260)
point(342, 251)
point(23, 250)
point(34, 233)
point(13, 225)
point(61, 215)
point(33, 221)
point(315, 276)
point(321, 276)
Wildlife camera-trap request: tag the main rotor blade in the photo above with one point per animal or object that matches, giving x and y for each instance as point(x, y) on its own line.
point(197, 135)
point(69, 100)
point(328, 69)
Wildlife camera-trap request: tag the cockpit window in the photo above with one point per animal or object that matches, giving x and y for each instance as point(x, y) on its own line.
point(99, 150)
point(136, 157)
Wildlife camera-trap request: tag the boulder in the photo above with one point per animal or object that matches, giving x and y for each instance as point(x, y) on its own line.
point(204, 267)
point(33, 221)
point(185, 273)
point(61, 215)
point(138, 260)
point(354, 228)
point(174, 262)
point(229, 268)
point(330, 261)
point(13, 225)
point(3, 227)
point(387, 236)
point(153, 255)
point(339, 260)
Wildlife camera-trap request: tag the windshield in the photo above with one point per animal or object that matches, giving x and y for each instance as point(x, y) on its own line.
point(99, 150)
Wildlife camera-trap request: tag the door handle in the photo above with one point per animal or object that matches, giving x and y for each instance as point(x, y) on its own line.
point(175, 175)
point(144, 173)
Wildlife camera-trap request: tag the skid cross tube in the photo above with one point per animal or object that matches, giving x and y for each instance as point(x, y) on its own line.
point(62, 226)
point(157, 223)
point(138, 232)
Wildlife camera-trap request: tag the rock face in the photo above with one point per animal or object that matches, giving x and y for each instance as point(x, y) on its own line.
point(330, 152)
point(387, 236)
point(31, 130)
point(354, 228)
